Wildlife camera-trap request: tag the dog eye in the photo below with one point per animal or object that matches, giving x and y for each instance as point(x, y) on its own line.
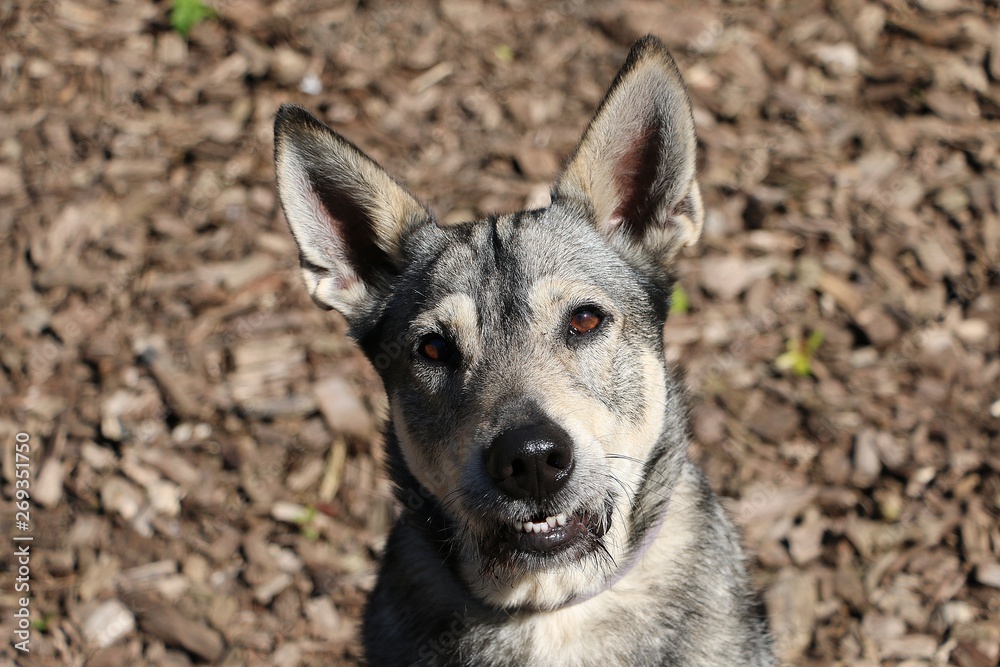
point(585, 320)
point(434, 347)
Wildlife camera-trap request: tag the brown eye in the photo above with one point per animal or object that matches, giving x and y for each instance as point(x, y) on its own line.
point(584, 320)
point(434, 347)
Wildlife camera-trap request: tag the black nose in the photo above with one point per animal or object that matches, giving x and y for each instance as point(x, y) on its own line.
point(530, 461)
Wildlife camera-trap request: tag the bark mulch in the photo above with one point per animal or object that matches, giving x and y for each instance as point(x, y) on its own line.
point(206, 460)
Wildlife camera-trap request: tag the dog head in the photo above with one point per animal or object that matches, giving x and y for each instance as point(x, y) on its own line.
point(522, 353)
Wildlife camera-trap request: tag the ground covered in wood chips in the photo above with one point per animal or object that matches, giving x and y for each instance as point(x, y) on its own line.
point(206, 480)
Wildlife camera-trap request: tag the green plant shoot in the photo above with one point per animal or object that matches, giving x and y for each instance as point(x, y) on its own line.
point(186, 14)
point(680, 303)
point(799, 355)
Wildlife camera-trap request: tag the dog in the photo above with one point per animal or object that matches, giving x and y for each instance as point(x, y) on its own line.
point(536, 438)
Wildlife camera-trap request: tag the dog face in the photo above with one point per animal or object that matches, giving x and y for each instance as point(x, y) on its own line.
point(522, 353)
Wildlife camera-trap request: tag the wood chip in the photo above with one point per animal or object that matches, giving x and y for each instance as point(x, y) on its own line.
point(791, 603)
point(175, 629)
point(108, 623)
point(988, 574)
point(342, 408)
point(910, 646)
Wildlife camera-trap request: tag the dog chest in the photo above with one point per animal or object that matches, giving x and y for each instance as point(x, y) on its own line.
point(609, 626)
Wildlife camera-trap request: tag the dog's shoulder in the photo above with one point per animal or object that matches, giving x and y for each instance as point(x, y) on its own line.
point(420, 615)
point(413, 595)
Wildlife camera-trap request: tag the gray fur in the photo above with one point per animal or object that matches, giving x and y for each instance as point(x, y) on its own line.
point(455, 588)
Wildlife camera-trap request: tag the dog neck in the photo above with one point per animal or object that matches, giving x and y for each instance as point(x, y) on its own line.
point(634, 559)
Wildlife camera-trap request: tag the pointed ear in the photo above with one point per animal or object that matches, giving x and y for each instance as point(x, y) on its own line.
point(348, 216)
point(634, 169)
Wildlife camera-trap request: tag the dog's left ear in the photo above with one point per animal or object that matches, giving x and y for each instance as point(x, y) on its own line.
point(635, 166)
point(349, 218)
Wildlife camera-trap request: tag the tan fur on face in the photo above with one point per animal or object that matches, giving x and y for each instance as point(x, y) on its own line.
point(549, 295)
point(456, 316)
point(439, 476)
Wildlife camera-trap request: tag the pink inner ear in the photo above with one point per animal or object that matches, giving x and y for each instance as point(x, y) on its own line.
point(351, 229)
point(635, 175)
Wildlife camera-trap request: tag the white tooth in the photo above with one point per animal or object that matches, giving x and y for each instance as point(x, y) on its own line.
point(526, 526)
point(543, 527)
point(550, 521)
point(536, 527)
point(561, 519)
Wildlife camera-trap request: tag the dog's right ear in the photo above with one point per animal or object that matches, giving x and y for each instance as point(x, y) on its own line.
point(634, 169)
point(348, 216)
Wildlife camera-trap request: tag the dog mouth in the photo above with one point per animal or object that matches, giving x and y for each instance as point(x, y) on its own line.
point(548, 534)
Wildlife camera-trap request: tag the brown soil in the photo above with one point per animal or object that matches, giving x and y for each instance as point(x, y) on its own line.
point(205, 470)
